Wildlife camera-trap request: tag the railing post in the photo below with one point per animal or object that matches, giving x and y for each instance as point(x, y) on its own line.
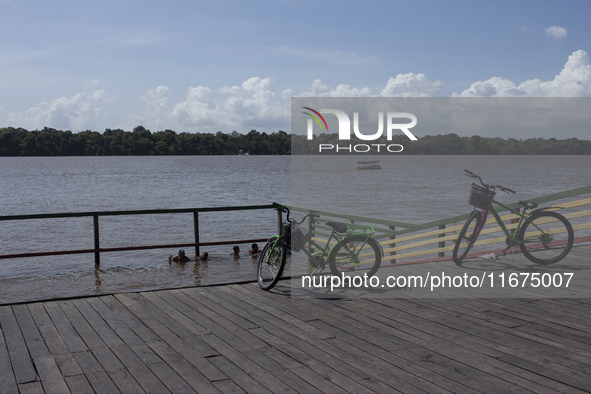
point(97, 255)
point(392, 245)
point(441, 244)
point(311, 230)
point(196, 230)
point(279, 221)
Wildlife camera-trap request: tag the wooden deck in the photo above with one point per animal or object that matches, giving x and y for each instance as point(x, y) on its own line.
point(237, 338)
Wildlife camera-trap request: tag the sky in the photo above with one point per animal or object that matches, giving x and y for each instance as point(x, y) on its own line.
point(200, 66)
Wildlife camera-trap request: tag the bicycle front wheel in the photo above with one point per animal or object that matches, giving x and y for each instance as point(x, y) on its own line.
point(271, 264)
point(355, 255)
point(548, 237)
point(466, 238)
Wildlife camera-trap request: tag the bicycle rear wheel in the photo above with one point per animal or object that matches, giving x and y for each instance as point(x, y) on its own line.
point(548, 237)
point(271, 264)
point(355, 255)
point(466, 237)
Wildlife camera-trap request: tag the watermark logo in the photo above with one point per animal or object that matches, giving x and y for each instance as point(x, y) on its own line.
point(392, 126)
point(345, 124)
point(316, 119)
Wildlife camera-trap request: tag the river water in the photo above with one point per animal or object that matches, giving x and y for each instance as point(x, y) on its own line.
point(413, 189)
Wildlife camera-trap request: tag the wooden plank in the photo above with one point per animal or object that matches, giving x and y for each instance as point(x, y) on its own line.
point(297, 383)
point(198, 358)
point(65, 328)
point(83, 330)
point(8, 382)
point(354, 358)
point(202, 308)
point(213, 319)
point(22, 366)
point(98, 324)
point(30, 388)
point(424, 349)
point(204, 305)
point(94, 372)
point(197, 381)
point(582, 358)
point(564, 375)
point(47, 329)
point(170, 378)
point(238, 376)
point(33, 338)
point(122, 378)
point(50, 375)
point(251, 362)
point(254, 304)
point(517, 349)
point(79, 384)
point(164, 325)
point(238, 352)
point(316, 358)
point(228, 386)
point(124, 329)
point(67, 364)
point(160, 300)
point(140, 371)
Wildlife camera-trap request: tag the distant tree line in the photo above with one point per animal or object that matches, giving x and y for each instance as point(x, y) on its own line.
point(140, 141)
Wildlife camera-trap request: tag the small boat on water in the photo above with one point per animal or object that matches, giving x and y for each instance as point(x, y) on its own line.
point(368, 165)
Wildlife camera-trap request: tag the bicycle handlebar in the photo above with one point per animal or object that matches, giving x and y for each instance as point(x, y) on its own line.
point(285, 209)
point(503, 188)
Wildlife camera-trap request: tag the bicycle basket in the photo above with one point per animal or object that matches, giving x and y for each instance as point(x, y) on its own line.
point(299, 237)
point(480, 197)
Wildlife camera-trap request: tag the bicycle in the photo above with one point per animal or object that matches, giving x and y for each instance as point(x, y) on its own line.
point(543, 236)
point(354, 251)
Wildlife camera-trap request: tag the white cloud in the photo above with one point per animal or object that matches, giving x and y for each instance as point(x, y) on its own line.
point(556, 32)
point(411, 85)
point(78, 112)
point(403, 85)
point(573, 81)
point(319, 89)
point(255, 99)
point(256, 103)
point(199, 109)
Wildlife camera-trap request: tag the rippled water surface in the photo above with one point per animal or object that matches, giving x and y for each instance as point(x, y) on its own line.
point(413, 189)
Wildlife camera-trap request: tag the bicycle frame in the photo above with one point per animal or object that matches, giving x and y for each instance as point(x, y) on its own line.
point(511, 236)
point(325, 250)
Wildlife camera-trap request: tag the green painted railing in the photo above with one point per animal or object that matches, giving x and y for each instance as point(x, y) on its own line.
point(414, 240)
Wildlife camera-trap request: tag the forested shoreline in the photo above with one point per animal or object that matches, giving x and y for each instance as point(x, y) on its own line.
point(142, 142)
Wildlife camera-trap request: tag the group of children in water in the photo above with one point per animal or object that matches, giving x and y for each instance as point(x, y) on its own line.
point(183, 258)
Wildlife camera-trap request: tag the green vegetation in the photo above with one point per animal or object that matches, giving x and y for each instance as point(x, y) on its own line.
point(51, 142)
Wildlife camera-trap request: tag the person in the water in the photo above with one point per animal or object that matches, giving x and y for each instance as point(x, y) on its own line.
point(254, 252)
point(179, 258)
point(236, 253)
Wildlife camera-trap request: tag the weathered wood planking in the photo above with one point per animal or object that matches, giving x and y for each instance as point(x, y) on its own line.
point(237, 338)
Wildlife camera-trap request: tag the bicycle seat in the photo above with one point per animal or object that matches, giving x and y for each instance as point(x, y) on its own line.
point(338, 227)
point(528, 204)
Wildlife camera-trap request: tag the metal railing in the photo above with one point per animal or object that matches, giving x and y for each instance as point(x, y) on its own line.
point(404, 242)
point(58, 233)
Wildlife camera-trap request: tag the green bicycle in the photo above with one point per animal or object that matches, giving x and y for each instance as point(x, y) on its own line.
point(543, 236)
point(354, 253)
